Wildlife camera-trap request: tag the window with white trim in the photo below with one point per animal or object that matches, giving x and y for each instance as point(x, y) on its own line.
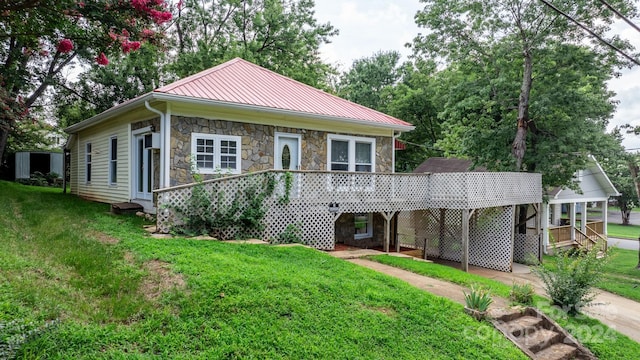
point(87, 158)
point(351, 153)
point(113, 160)
point(216, 153)
point(363, 225)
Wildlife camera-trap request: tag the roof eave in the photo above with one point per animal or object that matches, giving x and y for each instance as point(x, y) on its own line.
point(119, 109)
point(109, 113)
point(274, 111)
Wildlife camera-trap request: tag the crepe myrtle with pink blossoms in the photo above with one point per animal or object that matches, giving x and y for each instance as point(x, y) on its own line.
point(43, 34)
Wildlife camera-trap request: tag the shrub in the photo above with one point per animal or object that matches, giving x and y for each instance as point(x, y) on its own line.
point(292, 234)
point(570, 283)
point(522, 293)
point(478, 299)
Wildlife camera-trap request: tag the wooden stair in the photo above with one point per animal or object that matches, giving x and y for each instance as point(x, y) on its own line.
point(537, 336)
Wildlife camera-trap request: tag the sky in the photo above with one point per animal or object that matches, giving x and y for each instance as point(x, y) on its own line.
point(368, 26)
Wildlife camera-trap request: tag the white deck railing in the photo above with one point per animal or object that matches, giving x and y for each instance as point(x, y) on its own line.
point(318, 195)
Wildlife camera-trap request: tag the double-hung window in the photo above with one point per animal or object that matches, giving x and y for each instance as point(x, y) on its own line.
point(216, 153)
point(113, 160)
point(87, 158)
point(353, 154)
point(350, 153)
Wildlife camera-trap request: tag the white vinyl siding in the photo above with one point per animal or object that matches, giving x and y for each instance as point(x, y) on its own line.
point(100, 189)
point(216, 153)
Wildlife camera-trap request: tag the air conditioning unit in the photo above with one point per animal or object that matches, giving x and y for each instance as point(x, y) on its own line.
point(152, 141)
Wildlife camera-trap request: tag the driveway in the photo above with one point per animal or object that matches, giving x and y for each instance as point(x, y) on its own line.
point(623, 243)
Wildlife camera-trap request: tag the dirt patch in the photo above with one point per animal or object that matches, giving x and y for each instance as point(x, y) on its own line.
point(383, 310)
point(104, 238)
point(160, 279)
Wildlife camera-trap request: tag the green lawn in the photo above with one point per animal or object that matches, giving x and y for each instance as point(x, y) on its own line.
point(623, 231)
point(604, 342)
point(117, 293)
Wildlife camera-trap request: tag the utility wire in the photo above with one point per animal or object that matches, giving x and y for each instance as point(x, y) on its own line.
point(620, 15)
point(616, 49)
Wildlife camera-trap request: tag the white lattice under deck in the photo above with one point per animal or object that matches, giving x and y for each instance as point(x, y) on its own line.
point(429, 204)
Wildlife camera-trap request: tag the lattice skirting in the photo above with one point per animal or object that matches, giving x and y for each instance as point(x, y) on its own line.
point(526, 248)
point(439, 233)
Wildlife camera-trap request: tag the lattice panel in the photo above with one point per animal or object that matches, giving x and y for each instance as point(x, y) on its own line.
point(526, 248)
point(490, 232)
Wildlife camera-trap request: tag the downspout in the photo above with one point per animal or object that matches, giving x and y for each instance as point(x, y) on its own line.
point(162, 143)
point(394, 136)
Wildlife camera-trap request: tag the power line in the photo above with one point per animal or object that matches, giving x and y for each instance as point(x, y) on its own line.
point(620, 15)
point(616, 49)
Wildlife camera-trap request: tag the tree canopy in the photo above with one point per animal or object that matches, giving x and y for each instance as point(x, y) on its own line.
point(507, 52)
point(41, 38)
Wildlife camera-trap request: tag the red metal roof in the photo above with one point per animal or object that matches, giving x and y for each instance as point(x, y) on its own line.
point(241, 82)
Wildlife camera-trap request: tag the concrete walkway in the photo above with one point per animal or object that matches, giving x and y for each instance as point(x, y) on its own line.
point(618, 313)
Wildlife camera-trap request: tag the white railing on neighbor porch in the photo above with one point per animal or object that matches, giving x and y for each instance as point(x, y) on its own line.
point(317, 197)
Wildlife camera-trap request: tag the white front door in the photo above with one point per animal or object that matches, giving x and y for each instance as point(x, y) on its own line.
point(287, 152)
point(143, 167)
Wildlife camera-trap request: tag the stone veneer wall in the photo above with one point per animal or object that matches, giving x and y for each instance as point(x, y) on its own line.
point(345, 229)
point(257, 146)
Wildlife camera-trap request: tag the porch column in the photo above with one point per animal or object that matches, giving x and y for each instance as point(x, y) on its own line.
point(557, 214)
point(605, 218)
point(387, 230)
point(545, 226)
point(572, 220)
point(465, 240)
point(583, 218)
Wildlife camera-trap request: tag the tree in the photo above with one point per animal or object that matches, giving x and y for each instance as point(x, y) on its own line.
point(100, 88)
point(281, 36)
point(41, 38)
point(370, 79)
point(571, 107)
point(404, 91)
point(486, 33)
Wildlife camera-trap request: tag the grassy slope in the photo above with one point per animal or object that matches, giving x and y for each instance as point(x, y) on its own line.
point(240, 301)
point(604, 342)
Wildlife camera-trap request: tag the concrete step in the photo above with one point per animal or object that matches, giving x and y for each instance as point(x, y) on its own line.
point(523, 325)
point(539, 339)
point(557, 352)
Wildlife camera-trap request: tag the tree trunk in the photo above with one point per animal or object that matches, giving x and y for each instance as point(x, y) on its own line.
point(625, 216)
point(633, 169)
point(4, 135)
point(519, 146)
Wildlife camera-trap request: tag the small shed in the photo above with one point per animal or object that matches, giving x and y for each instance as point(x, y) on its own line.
point(28, 162)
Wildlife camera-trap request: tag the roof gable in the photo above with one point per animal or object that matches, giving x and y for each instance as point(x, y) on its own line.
point(592, 181)
point(241, 82)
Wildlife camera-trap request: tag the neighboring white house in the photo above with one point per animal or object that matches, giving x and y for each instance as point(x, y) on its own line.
point(595, 191)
